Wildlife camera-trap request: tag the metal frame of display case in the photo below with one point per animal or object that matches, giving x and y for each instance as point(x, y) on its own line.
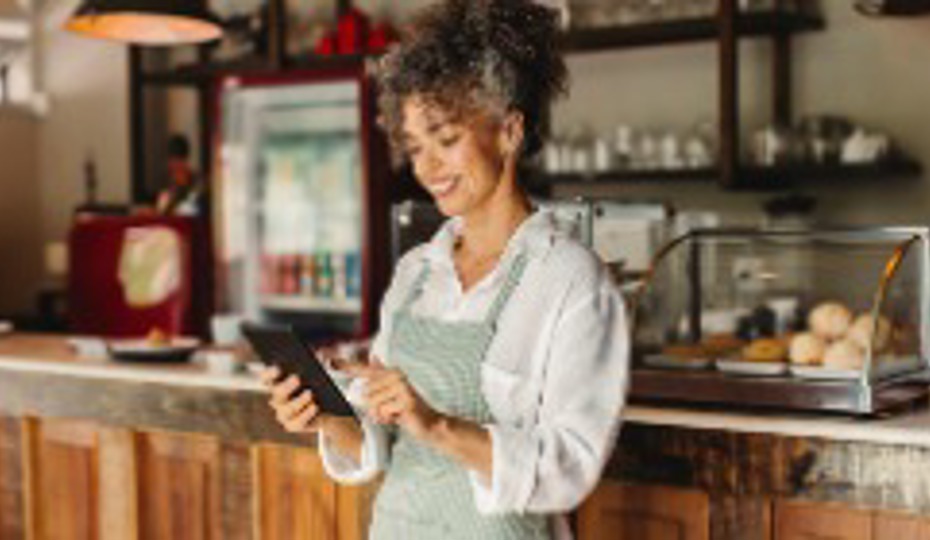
point(871, 393)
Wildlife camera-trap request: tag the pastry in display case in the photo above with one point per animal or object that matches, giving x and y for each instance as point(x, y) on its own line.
point(826, 320)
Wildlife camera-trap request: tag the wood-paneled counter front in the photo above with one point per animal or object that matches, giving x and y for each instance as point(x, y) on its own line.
point(93, 449)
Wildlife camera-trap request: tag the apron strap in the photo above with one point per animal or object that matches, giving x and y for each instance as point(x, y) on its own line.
point(417, 288)
point(513, 279)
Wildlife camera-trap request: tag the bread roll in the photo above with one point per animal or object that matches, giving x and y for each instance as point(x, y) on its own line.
point(861, 332)
point(765, 350)
point(844, 354)
point(722, 344)
point(807, 349)
point(830, 320)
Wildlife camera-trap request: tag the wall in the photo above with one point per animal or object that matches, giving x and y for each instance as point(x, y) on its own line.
point(871, 70)
point(20, 246)
point(89, 88)
point(41, 180)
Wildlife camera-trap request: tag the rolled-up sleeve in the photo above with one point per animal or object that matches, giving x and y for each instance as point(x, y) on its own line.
point(373, 456)
point(551, 465)
point(375, 451)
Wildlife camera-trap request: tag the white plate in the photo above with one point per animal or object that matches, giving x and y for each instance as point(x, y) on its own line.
point(757, 369)
point(144, 345)
point(676, 362)
point(823, 373)
point(141, 350)
point(884, 369)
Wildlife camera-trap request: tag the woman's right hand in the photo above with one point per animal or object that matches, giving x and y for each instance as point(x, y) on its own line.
point(296, 413)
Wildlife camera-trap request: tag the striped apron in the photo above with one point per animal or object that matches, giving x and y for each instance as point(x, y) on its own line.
point(426, 495)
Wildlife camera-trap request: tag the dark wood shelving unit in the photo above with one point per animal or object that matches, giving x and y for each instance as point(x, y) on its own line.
point(704, 29)
point(757, 24)
point(754, 177)
point(778, 24)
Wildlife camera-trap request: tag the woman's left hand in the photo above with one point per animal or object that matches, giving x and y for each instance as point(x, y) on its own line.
point(390, 398)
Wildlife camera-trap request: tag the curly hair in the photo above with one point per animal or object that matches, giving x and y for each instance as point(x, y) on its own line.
point(468, 55)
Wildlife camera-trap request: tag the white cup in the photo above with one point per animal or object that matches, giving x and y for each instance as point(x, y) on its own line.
point(225, 329)
point(221, 362)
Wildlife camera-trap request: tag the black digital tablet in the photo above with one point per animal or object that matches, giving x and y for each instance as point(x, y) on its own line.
point(281, 347)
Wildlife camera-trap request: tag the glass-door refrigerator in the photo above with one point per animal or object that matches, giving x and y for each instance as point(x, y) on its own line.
point(301, 210)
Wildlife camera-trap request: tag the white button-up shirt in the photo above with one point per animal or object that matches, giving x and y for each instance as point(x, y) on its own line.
point(554, 377)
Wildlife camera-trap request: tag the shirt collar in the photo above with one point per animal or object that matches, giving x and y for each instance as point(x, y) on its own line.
point(535, 235)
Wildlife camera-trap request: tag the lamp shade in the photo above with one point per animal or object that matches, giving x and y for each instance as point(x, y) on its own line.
point(146, 22)
point(893, 7)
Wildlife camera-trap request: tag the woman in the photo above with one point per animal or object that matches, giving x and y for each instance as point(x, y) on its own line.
point(494, 396)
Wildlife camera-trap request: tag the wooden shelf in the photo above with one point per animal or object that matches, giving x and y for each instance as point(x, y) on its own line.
point(631, 177)
point(765, 23)
point(200, 73)
point(314, 62)
point(793, 176)
point(756, 178)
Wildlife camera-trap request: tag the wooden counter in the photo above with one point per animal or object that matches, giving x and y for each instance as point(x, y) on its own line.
point(95, 449)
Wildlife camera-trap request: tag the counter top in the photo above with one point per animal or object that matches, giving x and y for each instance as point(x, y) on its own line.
point(35, 353)
point(910, 428)
point(52, 355)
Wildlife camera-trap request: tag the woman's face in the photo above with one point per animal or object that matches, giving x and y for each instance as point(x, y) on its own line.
point(460, 162)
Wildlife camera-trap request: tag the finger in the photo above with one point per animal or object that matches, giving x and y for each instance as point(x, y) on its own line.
point(269, 375)
point(281, 403)
point(395, 393)
point(288, 411)
point(326, 350)
point(304, 421)
point(329, 355)
point(358, 369)
point(339, 364)
point(389, 413)
point(294, 406)
point(384, 380)
point(282, 392)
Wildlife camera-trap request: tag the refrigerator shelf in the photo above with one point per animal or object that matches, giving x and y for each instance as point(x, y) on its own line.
point(348, 306)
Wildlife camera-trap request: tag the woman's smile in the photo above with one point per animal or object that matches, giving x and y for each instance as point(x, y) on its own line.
point(442, 187)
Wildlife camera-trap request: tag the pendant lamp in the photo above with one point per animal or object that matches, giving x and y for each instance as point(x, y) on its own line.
point(146, 22)
point(893, 7)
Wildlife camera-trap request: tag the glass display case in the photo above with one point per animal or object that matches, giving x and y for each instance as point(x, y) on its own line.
point(832, 320)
